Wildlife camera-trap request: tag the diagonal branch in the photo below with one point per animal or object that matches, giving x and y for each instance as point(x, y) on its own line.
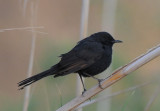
point(115, 76)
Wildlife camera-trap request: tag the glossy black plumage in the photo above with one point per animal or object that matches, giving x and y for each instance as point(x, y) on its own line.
point(89, 57)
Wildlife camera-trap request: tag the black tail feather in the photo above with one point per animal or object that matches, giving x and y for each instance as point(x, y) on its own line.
point(34, 78)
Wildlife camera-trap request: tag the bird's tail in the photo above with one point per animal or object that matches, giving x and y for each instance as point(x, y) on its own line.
point(34, 78)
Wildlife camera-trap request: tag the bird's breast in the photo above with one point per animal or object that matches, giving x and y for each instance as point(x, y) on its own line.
point(99, 66)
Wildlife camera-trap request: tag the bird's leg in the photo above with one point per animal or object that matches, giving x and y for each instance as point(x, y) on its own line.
point(99, 80)
point(84, 89)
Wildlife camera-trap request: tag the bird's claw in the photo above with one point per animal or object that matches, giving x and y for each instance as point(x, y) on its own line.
point(84, 92)
point(99, 83)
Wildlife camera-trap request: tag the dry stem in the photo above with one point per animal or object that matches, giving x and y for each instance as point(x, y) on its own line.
point(115, 76)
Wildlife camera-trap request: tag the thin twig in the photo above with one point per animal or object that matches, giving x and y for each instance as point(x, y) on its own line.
point(109, 15)
point(108, 23)
point(60, 93)
point(152, 99)
point(84, 18)
point(83, 33)
point(47, 102)
point(116, 76)
point(27, 90)
point(20, 28)
point(37, 32)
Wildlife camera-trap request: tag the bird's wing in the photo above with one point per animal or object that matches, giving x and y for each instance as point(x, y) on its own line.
point(81, 56)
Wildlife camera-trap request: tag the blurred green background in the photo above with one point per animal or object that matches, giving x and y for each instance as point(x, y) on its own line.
point(137, 24)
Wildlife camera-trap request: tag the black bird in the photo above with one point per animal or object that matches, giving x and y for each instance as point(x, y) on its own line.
point(89, 57)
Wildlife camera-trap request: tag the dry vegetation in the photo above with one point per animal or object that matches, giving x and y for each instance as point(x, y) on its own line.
point(57, 25)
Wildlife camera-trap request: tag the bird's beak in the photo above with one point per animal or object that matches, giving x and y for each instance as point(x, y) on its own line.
point(117, 41)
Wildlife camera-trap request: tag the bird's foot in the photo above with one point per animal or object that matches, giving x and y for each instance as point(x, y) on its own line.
point(99, 83)
point(83, 92)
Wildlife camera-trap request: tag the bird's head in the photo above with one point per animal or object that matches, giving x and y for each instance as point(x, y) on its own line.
point(105, 38)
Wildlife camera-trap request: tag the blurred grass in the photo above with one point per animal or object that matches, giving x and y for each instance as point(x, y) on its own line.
point(137, 25)
point(123, 102)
